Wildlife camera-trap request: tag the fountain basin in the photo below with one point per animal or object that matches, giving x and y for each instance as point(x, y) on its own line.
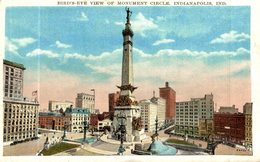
point(87, 140)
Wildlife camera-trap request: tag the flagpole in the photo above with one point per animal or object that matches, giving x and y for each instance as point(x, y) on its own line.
point(35, 93)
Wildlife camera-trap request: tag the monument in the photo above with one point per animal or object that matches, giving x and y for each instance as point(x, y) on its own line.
point(126, 105)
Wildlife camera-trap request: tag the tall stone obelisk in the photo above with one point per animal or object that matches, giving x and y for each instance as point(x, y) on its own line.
point(127, 108)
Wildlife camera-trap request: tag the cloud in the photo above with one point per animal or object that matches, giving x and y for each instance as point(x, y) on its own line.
point(38, 52)
point(110, 62)
point(62, 45)
point(119, 23)
point(14, 44)
point(83, 17)
point(112, 69)
point(141, 24)
point(186, 52)
point(23, 42)
point(10, 46)
point(232, 36)
point(90, 57)
point(163, 41)
point(189, 72)
point(150, 73)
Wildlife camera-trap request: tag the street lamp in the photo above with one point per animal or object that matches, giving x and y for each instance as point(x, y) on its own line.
point(121, 119)
point(65, 127)
point(64, 132)
point(156, 127)
point(85, 129)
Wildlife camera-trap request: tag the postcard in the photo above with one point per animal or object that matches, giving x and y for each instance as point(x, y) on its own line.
point(130, 80)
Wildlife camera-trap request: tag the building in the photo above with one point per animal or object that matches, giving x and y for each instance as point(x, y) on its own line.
point(247, 110)
point(77, 117)
point(206, 127)
point(150, 109)
point(105, 124)
point(195, 117)
point(84, 100)
point(13, 80)
point(20, 113)
point(52, 120)
point(59, 105)
point(95, 119)
point(169, 95)
point(231, 110)
point(230, 127)
point(20, 120)
point(112, 99)
point(161, 109)
point(148, 115)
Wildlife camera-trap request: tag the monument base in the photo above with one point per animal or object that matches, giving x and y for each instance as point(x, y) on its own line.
point(139, 135)
point(129, 113)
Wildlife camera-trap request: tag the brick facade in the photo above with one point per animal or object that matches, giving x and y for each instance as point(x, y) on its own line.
point(169, 95)
point(230, 127)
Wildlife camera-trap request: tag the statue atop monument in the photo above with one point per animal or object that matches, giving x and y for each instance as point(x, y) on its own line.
point(129, 13)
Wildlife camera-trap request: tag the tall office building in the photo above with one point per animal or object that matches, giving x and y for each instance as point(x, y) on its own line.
point(161, 109)
point(13, 79)
point(58, 105)
point(195, 117)
point(112, 99)
point(150, 109)
point(84, 100)
point(247, 110)
point(148, 115)
point(20, 114)
point(169, 95)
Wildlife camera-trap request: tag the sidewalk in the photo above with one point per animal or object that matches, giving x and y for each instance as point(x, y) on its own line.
point(98, 151)
point(222, 149)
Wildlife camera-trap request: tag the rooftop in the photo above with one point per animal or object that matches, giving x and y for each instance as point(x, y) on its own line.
point(50, 114)
point(20, 100)
point(10, 63)
point(77, 110)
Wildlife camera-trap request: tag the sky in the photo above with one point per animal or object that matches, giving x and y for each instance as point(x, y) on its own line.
point(68, 50)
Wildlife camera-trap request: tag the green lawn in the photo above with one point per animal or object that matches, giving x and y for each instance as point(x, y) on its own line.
point(58, 148)
point(181, 142)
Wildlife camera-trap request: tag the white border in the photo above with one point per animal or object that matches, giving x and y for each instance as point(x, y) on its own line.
point(255, 90)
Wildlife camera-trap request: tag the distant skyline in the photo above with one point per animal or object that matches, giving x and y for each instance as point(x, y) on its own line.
point(68, 50)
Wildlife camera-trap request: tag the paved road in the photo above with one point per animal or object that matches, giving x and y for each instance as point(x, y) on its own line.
point(227, 150)
point(105, 146)
point(82, 152)
point(23, 149)
point(31, 147)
